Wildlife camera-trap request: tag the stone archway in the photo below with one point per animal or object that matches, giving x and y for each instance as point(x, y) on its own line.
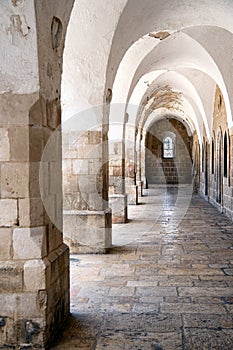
point(175, 169)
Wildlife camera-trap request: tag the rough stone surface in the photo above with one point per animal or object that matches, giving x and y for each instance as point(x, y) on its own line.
point(34, 272)
point(5, 243)
point(35, 246)
point(14, 180)
point(132, 194)
point(118, 204)
point(88, 232)
point(9, 214)
point(5, 145)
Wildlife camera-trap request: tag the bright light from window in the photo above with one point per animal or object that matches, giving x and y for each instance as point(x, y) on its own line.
point(168, 147)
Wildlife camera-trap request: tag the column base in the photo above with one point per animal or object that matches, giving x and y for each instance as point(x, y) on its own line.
point(140, 188)
point(35, 301)
point(118, 204)
point(132, 193)
point(144, 183)
point(88, 231)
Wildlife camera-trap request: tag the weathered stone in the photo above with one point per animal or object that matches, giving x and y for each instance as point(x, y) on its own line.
point(5, 145)
point(14, 108)
point(196, 339)
point(132, 194)
point(14, 180)
point(34, 272)
point(31, 212)
point(118, 205)
point(151, 283)
point(9, 213)
point(11, 276)
point(87, 231)
point(29, 243)
point(5, 243)
point(19, 143)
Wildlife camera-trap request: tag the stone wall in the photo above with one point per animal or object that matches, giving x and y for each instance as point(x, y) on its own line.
point(168, 171)
point(214, 184)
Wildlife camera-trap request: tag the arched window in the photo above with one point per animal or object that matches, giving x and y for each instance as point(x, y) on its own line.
point(168, 147)
point(212, 155)
point(225, 155)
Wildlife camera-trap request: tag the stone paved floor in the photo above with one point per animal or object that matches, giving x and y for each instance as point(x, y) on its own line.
point(167, 283)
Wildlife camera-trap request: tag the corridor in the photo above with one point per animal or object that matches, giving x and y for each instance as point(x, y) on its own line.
point(166, 284)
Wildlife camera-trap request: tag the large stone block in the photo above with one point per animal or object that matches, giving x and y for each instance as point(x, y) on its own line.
point(132, 192)
point(34, 275)
point(4, 145)
point(5, 243)
point(88, 231)
point(30, 212)
point(19, 143)
point(23, 321)
point(11, 276)
point(32, 318)
point(9, 213)
point(29, 243)
point(14, 180)
point(118, 204)
point(10, 103)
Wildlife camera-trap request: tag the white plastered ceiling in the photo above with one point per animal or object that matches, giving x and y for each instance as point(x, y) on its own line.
point(117, 46)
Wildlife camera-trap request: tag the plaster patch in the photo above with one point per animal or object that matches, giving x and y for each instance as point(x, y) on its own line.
point(20, 24)
point(159, 35)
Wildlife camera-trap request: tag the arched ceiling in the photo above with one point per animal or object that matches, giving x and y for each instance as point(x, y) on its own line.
point(131, 46)
point(141, 17)
point(173, 91)
point(182, 54)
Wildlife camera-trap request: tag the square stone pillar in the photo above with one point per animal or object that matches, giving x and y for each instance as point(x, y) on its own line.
point(34, 262)
point(132, 193)
point(87, 218)
point(140, 188)
point(118, 204)
point(130, 184)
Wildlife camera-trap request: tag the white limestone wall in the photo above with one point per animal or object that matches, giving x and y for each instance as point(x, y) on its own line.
point(18, 47)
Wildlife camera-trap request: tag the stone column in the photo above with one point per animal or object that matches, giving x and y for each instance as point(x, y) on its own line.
point(140, 157)
point(34, 267)
point(117, 195)
point(87, 218)
point(231, 168)
point(130, 166)
point(34, 261)
point(143, 161)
